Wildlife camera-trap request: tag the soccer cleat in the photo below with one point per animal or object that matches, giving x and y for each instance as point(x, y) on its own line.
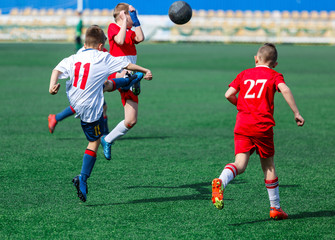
point(217, 193)
point(52, 122)
point(136, 88)
point(81, 187)
point(134, 79)
point(277, 214)
point(106, 147)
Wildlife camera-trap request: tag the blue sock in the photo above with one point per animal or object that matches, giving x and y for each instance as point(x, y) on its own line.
point(106, 131)
point(88, 164)
point(65, 113)
point(120, 82)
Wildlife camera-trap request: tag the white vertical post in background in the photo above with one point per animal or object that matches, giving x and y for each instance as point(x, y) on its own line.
point(80, 5)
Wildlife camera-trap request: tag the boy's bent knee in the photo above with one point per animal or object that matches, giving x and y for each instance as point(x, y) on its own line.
point(130, 124)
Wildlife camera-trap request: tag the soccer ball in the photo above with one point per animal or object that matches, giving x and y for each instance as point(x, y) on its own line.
point(180, 12)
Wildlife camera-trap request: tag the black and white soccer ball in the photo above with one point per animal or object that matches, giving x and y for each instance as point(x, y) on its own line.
point(180, 12)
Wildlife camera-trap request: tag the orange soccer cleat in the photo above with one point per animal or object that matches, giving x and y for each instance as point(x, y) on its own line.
point(277, 214)
point(52, 122)
point(217, 193)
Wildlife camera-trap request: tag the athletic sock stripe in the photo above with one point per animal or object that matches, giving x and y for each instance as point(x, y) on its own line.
point(271, 183)
point(114, 85)
point(230, 164)
point(91, 153)
point(74, 111)
point(233, 168)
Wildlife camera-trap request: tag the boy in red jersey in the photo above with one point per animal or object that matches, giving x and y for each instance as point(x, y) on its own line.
point(122, 42)
point(254, 124)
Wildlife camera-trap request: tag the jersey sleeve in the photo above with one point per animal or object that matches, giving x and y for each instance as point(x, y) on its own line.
point(279, 79)
point(64, 68)
point(236, 82)
point(115, 64)
point(113, 30)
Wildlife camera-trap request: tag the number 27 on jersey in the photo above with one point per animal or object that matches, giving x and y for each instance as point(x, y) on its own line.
point(254, 83)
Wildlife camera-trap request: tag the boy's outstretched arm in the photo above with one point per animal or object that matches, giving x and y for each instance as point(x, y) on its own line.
point(137, 68)
point(231, 95)
point(288, 96)
point(54, 86)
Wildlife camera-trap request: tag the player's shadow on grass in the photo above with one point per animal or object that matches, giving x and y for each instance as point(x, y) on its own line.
point(289, 186)
point(203, 192)
point(301, 215)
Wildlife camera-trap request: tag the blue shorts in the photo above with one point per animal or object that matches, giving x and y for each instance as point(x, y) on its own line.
point(94, 130)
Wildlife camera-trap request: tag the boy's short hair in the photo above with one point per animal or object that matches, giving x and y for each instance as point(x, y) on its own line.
point(268, 53)
point(118, 8)
point(95, 36)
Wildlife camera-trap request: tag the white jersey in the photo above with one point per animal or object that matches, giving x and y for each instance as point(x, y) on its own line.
point(88, 70)
point(129, 58)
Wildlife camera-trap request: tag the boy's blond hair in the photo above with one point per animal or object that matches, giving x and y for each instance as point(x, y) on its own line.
point(118, 8)
point(268, 53)
point(95, 36)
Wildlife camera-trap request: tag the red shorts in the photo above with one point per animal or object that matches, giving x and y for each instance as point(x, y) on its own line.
point(264, 146)
point(129, 95)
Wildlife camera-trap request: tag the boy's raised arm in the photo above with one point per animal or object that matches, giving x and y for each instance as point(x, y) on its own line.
point(121, 36)
point(136, 23)
point(288, 96)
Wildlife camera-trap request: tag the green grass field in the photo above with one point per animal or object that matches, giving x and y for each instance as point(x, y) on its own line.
point(158, 183)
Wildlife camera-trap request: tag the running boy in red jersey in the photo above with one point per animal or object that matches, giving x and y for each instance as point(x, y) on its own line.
point(122, 42)
point(254, 125)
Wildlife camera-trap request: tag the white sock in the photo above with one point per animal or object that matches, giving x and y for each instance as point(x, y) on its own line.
point(273, 190)
point(117, 132)
point(229, 173)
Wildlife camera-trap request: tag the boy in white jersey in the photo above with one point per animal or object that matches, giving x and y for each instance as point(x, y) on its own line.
point(87, 72)
point(54, 119)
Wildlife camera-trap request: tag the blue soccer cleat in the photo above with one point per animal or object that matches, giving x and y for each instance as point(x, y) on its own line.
point(81, 187)
point(136, 88)
point(106, 147)
point(135, 78)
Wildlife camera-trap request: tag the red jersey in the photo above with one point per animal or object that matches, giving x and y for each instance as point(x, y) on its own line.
point(128, 48)
point(255, 102)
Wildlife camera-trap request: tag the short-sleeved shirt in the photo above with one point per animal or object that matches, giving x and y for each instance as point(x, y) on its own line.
point(88, 71)
point(128, 48)
point(255, 102)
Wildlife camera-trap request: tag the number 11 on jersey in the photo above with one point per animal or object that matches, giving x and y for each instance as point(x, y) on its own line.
point(85, 75)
